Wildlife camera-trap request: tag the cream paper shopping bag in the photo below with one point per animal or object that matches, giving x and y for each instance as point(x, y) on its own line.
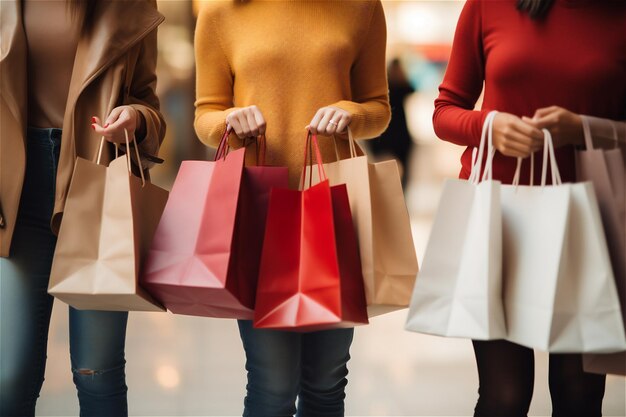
point(458, 292)
point(109, 219)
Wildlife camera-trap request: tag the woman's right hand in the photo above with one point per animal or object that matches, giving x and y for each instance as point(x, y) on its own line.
point(246, 122)
point(514, 137)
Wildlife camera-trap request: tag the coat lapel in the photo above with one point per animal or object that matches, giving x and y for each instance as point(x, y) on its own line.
point(13, 61)
point(118, 27)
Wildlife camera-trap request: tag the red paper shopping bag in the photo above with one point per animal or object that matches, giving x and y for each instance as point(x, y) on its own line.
point(206, 251)
point(310, 276)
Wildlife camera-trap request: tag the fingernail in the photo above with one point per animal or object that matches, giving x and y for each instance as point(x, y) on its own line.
point(93, 126)
point(93, 120)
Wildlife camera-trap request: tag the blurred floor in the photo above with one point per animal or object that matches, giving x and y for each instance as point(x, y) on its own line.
point(189, 366)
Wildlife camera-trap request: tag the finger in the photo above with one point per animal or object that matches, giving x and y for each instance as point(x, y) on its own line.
point(544, 111)
point(546, 122)
point(514, 152)
point(236, 126)
point(100, 130)
point(532, 132)
point(114, 115)
point(260, 121)
point(251, 120)
point(243, 122)
point(343, 123)
point(123, 121)
point(325, 127)
point(518, 144)
point(313, 126)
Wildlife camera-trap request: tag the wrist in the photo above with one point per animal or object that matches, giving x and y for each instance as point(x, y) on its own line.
point(140, 130)
point(577, 137)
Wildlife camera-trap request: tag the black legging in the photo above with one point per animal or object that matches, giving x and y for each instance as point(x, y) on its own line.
point(507, 372)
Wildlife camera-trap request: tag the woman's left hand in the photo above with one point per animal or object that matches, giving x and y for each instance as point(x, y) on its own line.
point(330, 120)
point(565, 126)
point(120, 118)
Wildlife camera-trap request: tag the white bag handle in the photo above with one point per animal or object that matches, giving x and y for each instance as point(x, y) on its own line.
point(486, 136)
point(548, 152)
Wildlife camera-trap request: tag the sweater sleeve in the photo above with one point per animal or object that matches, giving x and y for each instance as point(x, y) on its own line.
point(454, 119)
point(369, 106)
point(214, 80)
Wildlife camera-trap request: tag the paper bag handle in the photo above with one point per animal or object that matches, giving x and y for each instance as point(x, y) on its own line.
point(311, 146)
point(98, 157)
point(589, 137)
point(486, 139)
point(224, 147)
point(354, 145)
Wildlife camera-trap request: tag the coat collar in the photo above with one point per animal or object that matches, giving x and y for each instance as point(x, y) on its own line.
point(119, 25)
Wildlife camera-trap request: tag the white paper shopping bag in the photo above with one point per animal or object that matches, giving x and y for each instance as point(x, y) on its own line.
point(559, 291)
point(458, 292)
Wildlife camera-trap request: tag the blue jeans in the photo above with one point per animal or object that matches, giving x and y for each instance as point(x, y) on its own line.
point(283, 366)
point(96, 337)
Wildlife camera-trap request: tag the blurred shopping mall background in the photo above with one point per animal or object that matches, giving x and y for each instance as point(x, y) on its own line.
point(190, 366)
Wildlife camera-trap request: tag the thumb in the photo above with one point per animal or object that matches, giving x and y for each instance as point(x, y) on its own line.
point(113, 116)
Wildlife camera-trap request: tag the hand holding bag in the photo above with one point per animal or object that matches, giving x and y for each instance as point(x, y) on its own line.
point(109, 219)
point(205, 255)
point(310, 276)
point(559, 290)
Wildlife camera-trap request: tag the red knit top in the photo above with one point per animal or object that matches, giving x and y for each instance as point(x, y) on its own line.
point(574, 58)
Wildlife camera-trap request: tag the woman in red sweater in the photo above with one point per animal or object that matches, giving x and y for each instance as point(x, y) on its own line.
point(543, 63)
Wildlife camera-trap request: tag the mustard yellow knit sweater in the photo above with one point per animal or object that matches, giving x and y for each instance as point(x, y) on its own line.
point(290, 58)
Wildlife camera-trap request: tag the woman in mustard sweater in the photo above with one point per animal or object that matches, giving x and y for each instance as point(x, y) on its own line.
point(275, 68)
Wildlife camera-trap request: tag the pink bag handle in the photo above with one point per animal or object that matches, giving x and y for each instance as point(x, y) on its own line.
point(224, 147)
point(311, 146)
point(589, 137)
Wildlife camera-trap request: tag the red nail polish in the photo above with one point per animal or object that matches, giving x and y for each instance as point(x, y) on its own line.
point(93, 120)
point(93, 126)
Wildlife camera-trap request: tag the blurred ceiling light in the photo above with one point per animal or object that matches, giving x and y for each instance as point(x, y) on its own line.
point(430, 22)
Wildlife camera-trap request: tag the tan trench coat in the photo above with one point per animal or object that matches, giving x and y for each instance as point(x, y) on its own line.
point(114, 65)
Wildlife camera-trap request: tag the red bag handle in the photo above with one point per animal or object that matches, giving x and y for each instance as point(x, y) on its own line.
point(312, 146)
point(224, 147)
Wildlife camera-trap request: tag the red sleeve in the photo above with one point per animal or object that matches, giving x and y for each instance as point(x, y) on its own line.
point(454, 119)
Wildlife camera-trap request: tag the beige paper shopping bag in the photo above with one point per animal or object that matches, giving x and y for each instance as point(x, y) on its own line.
point(458, 292)
point(605, 169)
point(109, 219)
point(388, 257)
point(559, 290)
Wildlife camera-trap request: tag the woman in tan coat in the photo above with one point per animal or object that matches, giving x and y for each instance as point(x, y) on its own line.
point(92, 70)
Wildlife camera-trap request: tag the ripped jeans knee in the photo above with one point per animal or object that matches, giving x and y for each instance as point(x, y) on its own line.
point(101, 392)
